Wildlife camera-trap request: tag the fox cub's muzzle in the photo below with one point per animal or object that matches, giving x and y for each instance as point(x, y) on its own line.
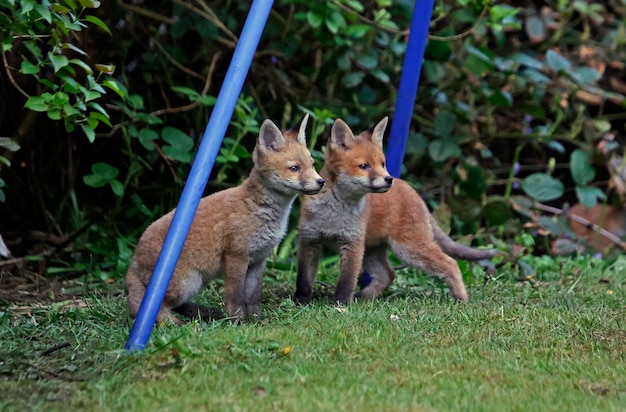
point(319, 184)
point(381, 185)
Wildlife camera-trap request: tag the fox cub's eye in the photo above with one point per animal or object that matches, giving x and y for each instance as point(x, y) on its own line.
point(364, 166)
point(294, 168)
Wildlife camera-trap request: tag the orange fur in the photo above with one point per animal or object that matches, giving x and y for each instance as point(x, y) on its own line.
point(364, 212)
point(232, 233)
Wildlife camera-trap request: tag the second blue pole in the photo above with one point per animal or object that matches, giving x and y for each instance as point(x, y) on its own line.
point(405, 101)
point(409, 79)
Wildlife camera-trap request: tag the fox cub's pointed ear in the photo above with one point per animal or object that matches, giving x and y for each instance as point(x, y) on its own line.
point(341, 137)
point(301, 129)
point(270, 137)
point(379, 131)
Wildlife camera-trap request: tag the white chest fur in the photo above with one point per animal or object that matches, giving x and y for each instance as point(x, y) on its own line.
point(273, 220)
point(332, 217)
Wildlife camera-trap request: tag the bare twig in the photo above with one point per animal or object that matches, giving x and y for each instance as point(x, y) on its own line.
point(216, 20)
point(55, 348)
point(10, 76)
point(148, 13)
point(213, 19)
point(600, 230)
point(460, 35)
point(175, 63)
point(193, 105)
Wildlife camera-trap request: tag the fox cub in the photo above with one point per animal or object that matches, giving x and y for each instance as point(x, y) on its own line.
point(233, 231)
point(364, 211)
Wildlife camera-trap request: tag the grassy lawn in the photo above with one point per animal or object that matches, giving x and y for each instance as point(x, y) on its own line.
point(557, 343)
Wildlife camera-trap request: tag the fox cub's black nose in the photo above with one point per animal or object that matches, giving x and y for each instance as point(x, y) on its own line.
point(389, 180)
point(320, 183)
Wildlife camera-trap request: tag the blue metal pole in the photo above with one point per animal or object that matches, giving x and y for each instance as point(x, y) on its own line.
point(411, 68)
point(199, 174)
point(405, 101)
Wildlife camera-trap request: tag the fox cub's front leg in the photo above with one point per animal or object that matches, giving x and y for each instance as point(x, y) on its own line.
point(351, 261)
point(235, 270)
point(308, 260)
point(253, 290)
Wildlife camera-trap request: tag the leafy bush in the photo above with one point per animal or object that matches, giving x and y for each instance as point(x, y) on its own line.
point(516, 99)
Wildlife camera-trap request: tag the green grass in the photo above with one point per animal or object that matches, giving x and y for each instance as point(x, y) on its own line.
point(558, 344)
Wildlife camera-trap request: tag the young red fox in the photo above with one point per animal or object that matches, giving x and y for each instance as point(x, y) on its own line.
point(364, 212)
point(233, 231)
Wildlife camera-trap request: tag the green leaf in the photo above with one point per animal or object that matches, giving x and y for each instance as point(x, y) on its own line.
point(29, 68)
point(187, 91)
point(497, 211)
point(91, 95)
point(501, 98)
point(100, 117)
point(381, 75)
point(585, 75)
point(146, 136)
point(208, 101)
point(54, 114)
point(527, 60)
point(148, 118)
point(542, 187)
point(471, 180)
point(315, 20)
point(60, 98)
point(103, 173)
point(535, 28)
point(99, 108)
point(479, 61)
point(353, 79)
point(98, 22)
point(589, 195)
point(89, 132)
point(9, 144)
point(581, 167)
point(355, 5)
point(82, 65)
point(177, 154)
point(89, 4)
point(27, 6)
point(36, 103)
point(105, 170)
point(135, 101)
point(117, 187)
point(335, 22)
point(44, 12)
point(35, 49)
point(58, 61)
point(177, 138)
point(74, 48)
point(557, 62)
point(536, 77)
point(443, 149)
point(500, 12)
point(357, 31)
point(368, 61)
point(94, 181)
point(117, 87)
point(445, 122)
